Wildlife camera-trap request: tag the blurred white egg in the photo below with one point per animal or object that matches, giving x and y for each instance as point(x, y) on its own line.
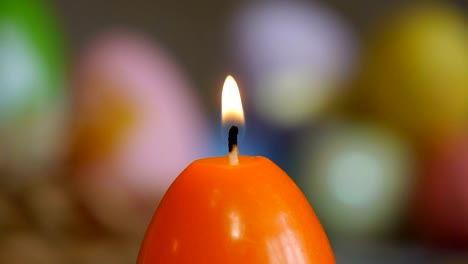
point(295, 55)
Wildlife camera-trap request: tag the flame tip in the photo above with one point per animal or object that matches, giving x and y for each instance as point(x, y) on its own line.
point(231, 102)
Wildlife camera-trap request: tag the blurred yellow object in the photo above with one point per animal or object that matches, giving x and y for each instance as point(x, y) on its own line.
point(415, 72)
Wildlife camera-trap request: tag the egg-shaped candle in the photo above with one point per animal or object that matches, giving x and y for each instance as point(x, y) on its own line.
point(234, 209)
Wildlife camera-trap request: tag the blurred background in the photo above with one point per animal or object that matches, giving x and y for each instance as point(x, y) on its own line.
point(363, 103)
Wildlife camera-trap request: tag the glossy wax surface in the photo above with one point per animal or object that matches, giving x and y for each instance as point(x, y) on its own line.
point(248, 213)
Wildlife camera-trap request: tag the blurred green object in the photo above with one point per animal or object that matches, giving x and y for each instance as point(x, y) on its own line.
point(31, 52)
point(415, 72)
point(357, 178)
point(32, 98)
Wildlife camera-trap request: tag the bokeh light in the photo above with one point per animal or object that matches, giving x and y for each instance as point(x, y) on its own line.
point(359, 173)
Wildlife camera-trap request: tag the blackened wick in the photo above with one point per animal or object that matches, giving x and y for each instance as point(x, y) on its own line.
point(232, 139)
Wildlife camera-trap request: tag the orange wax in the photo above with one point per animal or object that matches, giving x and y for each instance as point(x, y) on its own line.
point(252, 212)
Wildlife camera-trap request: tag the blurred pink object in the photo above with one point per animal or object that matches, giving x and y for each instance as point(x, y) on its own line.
point(138, 123)
point(442, 198)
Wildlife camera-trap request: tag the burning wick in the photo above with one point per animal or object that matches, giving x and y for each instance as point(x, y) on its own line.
point(232, 143)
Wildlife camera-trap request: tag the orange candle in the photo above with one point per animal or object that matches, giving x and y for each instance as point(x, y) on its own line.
point(234, 209)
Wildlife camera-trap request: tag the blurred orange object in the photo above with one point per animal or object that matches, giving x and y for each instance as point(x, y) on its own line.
point(252, 212)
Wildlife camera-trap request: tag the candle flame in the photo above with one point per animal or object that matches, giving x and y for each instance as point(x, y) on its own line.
point(231, 104)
